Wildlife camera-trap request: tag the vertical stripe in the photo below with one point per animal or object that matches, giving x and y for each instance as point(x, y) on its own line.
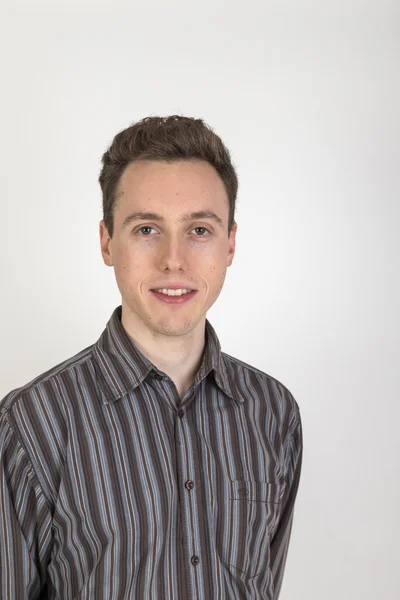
point(114, 488)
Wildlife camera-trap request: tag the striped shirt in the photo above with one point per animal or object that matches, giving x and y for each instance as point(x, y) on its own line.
point(113, 488)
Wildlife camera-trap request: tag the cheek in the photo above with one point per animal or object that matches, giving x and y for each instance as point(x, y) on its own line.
point(134, 257)
point(216, 273)
point(127, 268)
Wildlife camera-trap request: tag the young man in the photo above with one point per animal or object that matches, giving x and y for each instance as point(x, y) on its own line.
point(152, 465)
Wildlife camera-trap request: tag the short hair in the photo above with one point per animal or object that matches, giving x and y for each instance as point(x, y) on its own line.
point(167, 139)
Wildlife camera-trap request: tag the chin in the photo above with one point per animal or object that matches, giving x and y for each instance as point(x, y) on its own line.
point(175, 326)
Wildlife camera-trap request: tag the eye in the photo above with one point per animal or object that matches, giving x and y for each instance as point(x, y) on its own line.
point(145, 227)
point(203, 228)
point(141, 231)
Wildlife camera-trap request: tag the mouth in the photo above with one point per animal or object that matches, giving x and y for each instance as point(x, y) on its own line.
point(186, 297)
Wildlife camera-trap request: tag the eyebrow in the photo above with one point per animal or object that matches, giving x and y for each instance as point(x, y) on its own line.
point(146, 216)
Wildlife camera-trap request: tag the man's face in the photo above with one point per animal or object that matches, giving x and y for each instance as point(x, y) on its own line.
point(149, 254)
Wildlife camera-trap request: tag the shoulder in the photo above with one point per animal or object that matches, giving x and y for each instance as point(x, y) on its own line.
point(258, 386)
point(36, 417)
point(47, 383)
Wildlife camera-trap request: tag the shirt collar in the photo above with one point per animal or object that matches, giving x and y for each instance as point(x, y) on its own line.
point(121, 367)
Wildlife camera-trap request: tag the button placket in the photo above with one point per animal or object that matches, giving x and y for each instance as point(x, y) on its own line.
point(186, 459)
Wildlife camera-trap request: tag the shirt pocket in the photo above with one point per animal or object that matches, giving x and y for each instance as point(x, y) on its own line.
point(253, 511)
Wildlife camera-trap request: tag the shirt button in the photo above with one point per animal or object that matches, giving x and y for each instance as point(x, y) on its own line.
point(195, 560)
point(189, 485)
point(181, 413)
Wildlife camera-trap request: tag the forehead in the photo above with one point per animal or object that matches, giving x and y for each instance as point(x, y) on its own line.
point(170, 184)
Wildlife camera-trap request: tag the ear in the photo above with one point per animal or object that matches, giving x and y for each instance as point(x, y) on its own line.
point(232, 244)
point(105, 244)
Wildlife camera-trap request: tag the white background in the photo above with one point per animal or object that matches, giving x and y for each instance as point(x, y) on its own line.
point(306, 95)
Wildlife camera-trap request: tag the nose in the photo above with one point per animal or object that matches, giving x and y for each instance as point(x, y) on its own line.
point(173, 253)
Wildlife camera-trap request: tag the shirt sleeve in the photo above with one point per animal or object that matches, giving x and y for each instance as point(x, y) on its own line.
point(280, 541)
point(25, 523)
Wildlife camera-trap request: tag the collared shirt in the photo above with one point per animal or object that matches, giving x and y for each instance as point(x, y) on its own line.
point(111, 488)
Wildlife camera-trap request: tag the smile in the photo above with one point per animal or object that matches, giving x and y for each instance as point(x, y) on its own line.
point(174, 296)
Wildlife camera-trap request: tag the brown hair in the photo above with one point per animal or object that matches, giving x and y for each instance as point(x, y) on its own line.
point(168, 139)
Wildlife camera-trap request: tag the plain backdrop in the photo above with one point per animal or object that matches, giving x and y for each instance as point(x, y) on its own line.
point(306, 95)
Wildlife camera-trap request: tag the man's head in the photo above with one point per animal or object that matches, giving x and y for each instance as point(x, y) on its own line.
point(171, 167)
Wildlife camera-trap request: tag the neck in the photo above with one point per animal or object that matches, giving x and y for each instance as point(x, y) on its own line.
point(179, 356)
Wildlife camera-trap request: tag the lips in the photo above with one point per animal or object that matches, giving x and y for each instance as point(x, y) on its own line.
point(174, 299)
point(173, 287)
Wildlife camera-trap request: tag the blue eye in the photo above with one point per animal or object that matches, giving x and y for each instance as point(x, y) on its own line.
point(145, 227)
point(140, 231)
point(201, 228)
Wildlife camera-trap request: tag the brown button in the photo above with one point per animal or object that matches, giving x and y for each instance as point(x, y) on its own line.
point(243, 491)
point(195, 560)
point(189, 485)
point(181, 413)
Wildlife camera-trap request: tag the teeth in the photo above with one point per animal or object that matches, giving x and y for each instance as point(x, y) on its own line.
point(173, 292)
